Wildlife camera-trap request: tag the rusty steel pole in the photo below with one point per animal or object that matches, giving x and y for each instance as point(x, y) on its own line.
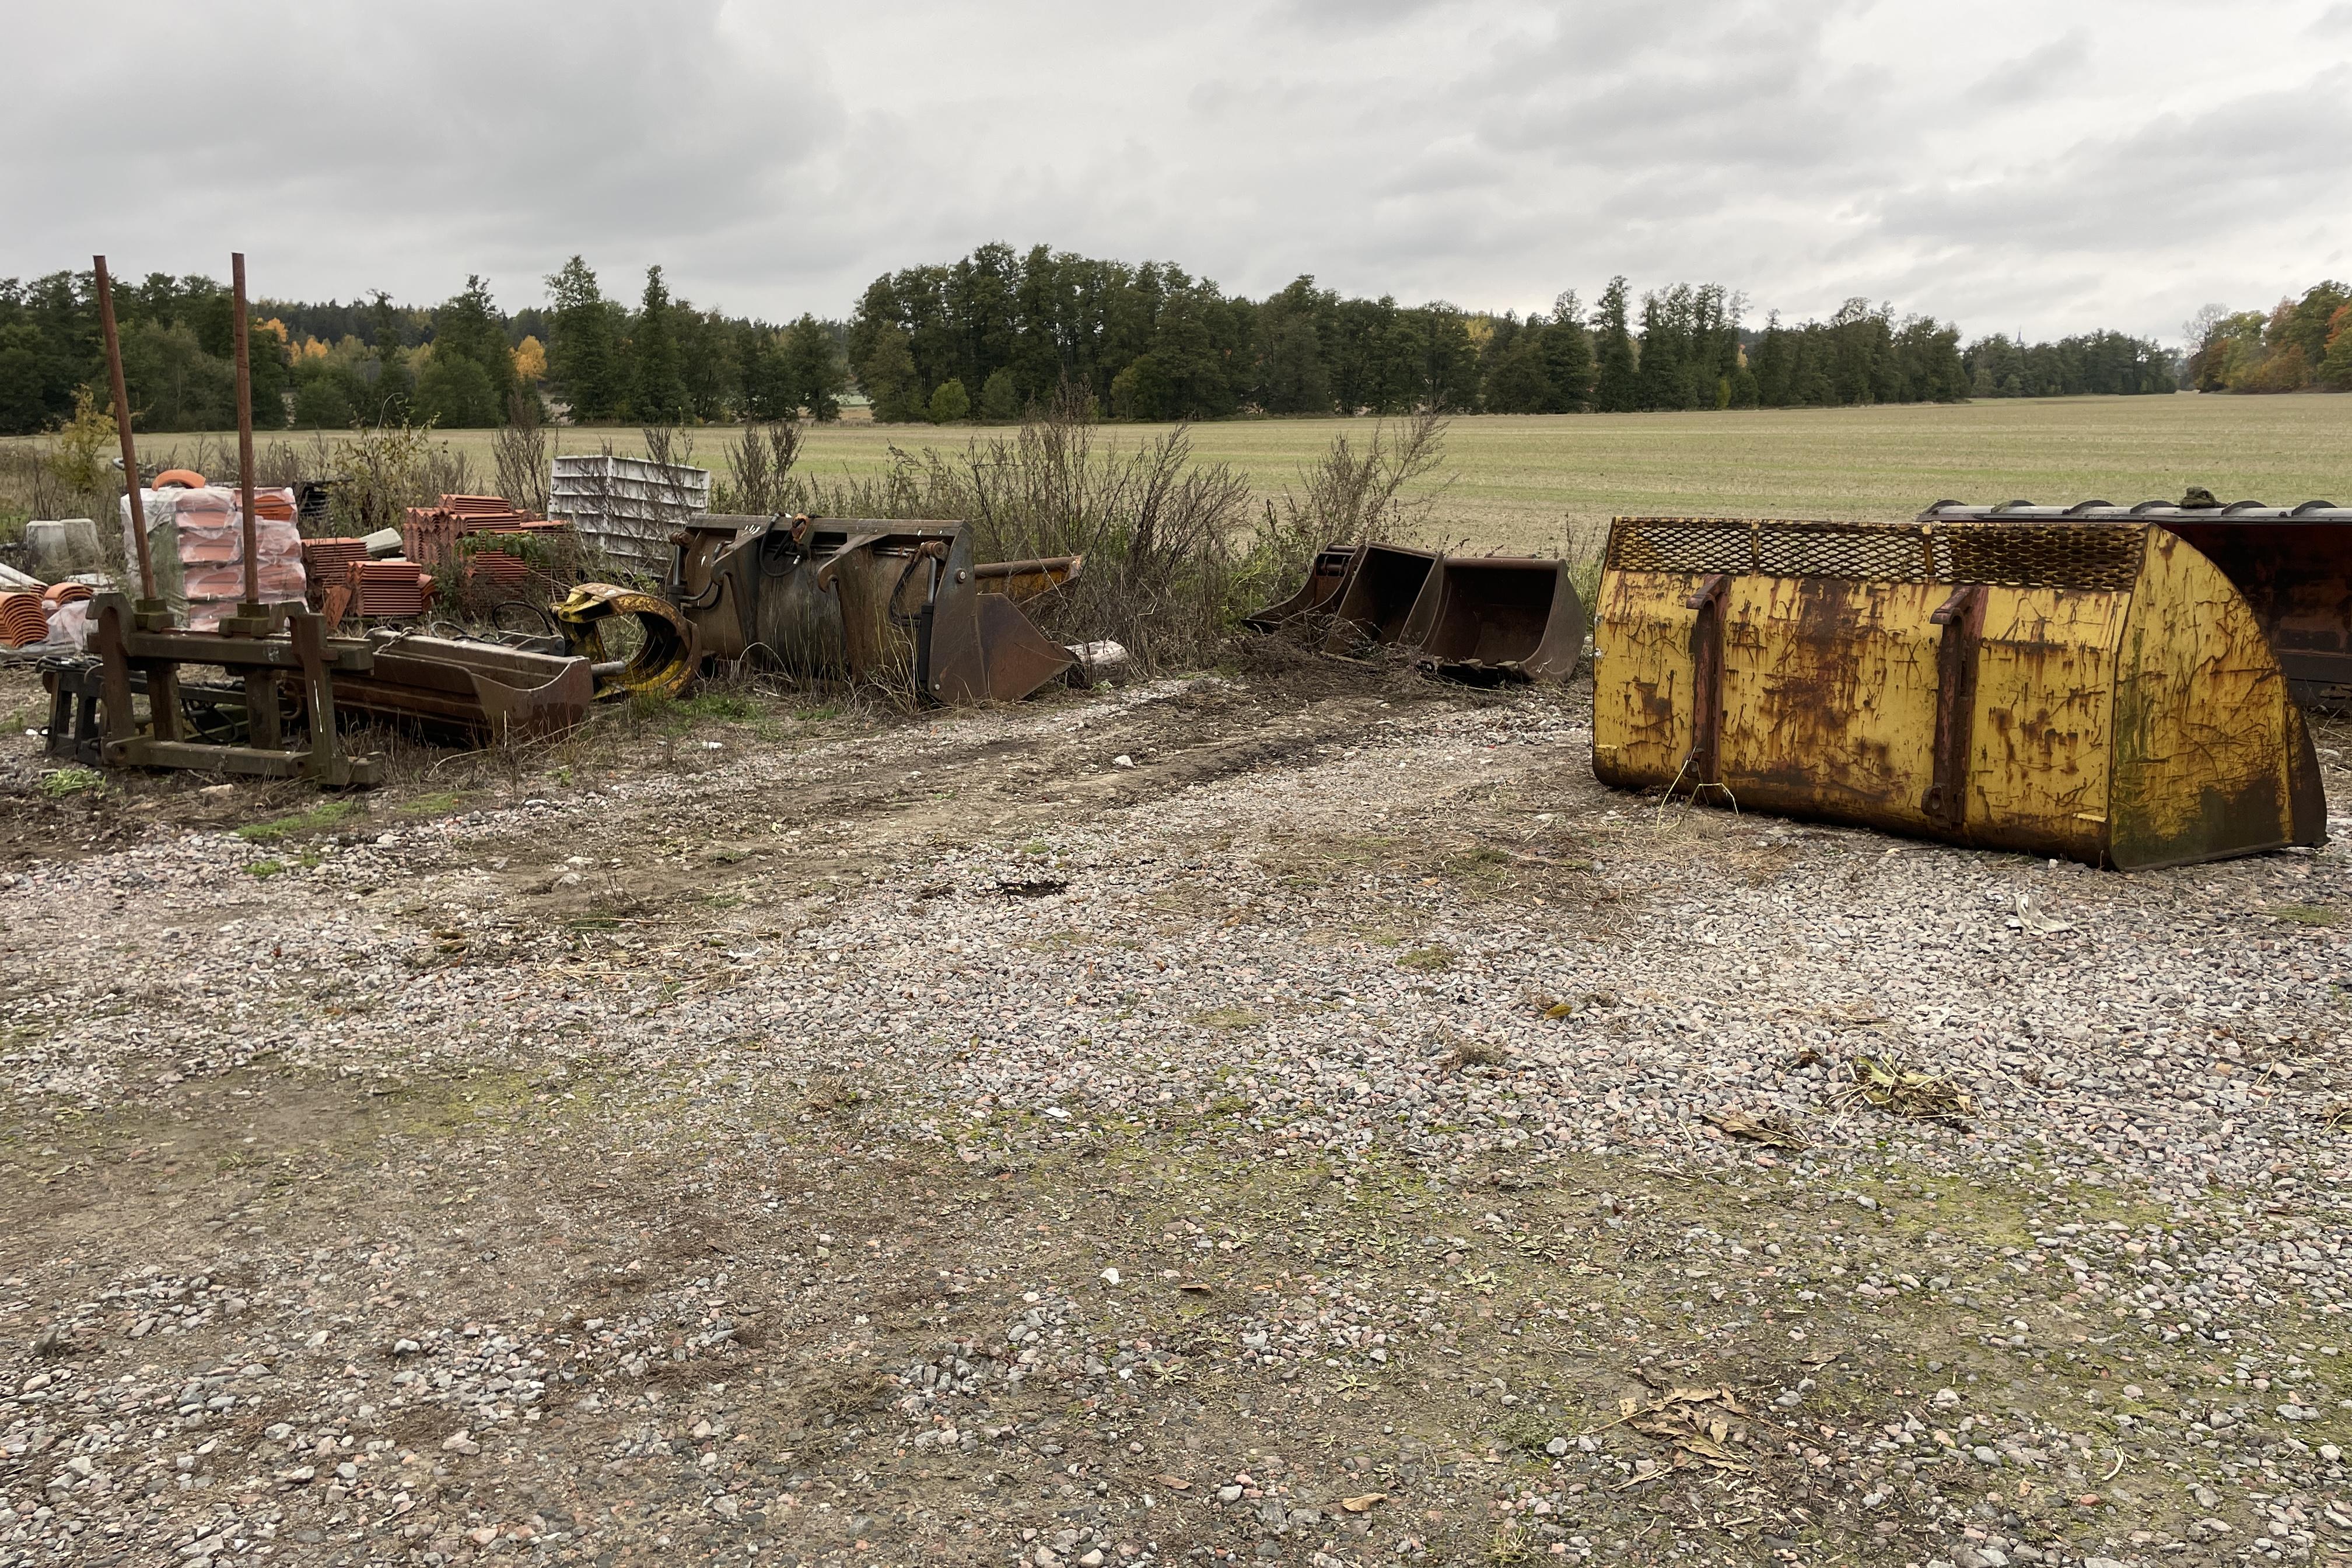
point(122, 426)
point(252, 606)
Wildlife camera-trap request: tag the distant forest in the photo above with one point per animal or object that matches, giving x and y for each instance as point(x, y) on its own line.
point(989, 336)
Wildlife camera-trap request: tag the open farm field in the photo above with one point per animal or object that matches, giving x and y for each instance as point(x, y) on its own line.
point(1515, 481)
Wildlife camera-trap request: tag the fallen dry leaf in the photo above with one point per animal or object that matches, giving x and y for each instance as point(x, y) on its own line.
point(1363, 1504)
point(1174, 1485)
point(1772, 1131)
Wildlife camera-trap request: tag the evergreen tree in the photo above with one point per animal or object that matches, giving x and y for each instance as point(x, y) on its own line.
point(1615, 389)
point(1660, 383)
point(657, 388)
point(584, 350)
point(1291, 377)
point(1000, 399)
point(1567, 350)
point(815, 368)
point(890, 380)
point(470, 378)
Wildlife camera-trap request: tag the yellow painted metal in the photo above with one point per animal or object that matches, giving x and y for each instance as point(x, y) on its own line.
point(2099, 693)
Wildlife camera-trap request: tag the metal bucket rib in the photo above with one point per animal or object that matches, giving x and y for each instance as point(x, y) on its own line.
point(2097, 692)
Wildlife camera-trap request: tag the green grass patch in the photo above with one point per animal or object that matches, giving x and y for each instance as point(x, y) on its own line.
point(1428, 959)
point(2305, 914)
point(1226, 1018)
point(72, 781)
point(265, 869)
point(326, 815)
point(724, 706)
point(433, 804)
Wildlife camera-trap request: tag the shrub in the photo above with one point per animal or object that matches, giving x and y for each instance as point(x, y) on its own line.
point(950, 403)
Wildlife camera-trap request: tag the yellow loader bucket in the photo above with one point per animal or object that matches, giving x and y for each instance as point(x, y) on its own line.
point(2097, 691)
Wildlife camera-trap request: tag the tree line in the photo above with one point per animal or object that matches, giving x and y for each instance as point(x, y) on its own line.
point(2298, 344)
point(996, 332)
point(999, 333)
point(461, 363)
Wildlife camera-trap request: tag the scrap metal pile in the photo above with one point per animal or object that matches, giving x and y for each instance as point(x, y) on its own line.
point(226, 583)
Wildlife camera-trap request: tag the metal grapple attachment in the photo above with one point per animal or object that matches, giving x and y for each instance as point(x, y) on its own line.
point(2095, 691)
point(1475, 619)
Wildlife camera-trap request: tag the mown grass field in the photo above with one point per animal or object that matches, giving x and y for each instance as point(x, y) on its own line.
point(1520, 481)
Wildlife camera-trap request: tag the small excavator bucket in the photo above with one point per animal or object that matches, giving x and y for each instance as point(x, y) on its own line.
point(1491, 618)
point(1376, 599)
point(901, 603)
point(1325, 575)
point(2095, 691)
point(2292, 565)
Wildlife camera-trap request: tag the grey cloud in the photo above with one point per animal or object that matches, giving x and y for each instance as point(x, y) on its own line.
point(1489, 152)
point(2036, 73)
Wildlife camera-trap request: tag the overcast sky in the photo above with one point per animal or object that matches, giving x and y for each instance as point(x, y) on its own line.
point(2009, 164)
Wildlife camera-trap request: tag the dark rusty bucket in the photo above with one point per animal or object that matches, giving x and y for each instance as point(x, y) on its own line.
point(1325, 575)
point(896, 602)
point(1376, 601)
point(1492, 618)
point(2292, 565)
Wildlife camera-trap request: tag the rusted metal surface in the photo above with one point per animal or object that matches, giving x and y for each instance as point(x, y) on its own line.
point(1325, 575)
point(2095, 691)
point(486, 691)
point(238, 330)
point(901, 603)
point(2292, 565)
point(1466, 617)
point(1497, 618)
point(149, 605)
point(1376, 599)
point(1020, 581)
point(667, 652)
point(300, 656)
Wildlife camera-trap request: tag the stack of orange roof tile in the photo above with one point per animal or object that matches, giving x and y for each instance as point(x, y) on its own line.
point(392, 589)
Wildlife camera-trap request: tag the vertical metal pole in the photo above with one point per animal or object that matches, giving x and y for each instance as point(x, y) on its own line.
point(252, 608)
point(147, 604)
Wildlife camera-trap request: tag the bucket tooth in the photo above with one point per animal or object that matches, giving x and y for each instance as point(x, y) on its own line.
point(2088, 688)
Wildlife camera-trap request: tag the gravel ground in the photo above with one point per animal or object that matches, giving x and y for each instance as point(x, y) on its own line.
point(1296, 1116)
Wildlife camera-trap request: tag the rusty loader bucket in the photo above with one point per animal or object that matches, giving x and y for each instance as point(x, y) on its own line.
point(901, 603)
point(2097, 691)
point(2292, 565)
point(1476, 618)
point(1376, 600)
point(1325, 575)
point(1492, 618)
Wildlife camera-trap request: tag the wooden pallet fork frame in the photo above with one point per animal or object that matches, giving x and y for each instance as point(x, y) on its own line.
point(143, 639)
